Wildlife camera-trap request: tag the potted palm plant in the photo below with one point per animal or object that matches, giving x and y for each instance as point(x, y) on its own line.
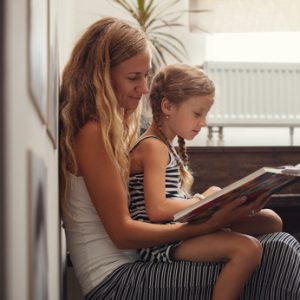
point(156, 20)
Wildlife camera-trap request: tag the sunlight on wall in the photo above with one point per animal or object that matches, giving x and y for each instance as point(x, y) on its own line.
point(254, 47)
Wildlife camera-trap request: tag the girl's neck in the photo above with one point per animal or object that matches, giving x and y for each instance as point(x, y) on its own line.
point(153, 130)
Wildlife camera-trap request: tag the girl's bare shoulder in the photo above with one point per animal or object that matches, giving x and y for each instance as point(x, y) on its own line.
point(151, 145)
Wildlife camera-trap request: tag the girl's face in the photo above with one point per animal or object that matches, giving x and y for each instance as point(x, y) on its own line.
point(129, 80)
point(187, 119)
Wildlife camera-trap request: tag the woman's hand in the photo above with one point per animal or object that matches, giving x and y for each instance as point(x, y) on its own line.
point(260, 203)
point(228, 213)
point(236, 210)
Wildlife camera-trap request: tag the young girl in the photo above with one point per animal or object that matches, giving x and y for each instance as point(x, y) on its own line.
point(180, 97)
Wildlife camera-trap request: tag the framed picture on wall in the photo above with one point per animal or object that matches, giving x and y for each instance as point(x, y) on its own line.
point(38, 55)
point(38, 254)
point(3, 156)
point(53, 75)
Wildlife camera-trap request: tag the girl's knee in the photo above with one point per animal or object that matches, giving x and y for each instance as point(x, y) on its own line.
point(274, 222)
point(250, 251)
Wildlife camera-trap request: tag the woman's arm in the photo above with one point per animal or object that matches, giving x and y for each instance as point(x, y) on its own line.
point(109, 197)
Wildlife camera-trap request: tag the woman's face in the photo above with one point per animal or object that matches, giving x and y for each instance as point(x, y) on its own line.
point(129, 80)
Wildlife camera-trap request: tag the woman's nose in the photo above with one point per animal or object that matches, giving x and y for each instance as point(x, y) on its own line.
point(143, 87)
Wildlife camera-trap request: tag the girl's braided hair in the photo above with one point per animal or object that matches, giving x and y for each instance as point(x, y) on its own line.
point(177, 83)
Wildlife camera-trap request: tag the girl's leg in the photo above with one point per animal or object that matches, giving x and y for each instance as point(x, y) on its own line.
point(241, 253)
point(263, 222)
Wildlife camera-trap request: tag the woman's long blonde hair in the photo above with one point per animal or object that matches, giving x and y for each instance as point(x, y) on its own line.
point(178, 83)
point(87, 95)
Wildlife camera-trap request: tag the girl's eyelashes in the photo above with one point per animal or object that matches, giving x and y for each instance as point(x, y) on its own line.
point(198, 115)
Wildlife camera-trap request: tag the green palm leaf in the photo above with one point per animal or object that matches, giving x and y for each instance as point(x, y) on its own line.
point(156, 20)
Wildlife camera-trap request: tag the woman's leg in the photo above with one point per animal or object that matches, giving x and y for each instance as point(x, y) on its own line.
point(277, 277)
point(241, 254)
point(263, 222)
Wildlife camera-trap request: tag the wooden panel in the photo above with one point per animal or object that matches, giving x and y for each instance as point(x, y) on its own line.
point(288, 207)
point(223, 165)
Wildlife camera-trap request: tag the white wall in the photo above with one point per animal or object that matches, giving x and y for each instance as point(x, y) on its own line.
point(24, 131)
point(88, 11)
point(66, 29)
point(200, 47)
point(254, 47)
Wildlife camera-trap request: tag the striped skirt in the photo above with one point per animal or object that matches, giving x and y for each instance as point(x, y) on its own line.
point(277, 278)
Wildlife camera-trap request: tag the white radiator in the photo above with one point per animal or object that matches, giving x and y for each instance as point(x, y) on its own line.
point(250, 94)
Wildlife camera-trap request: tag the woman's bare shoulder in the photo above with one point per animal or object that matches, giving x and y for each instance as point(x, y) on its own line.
point(90, 128)
point(89, 144)
point(89, 134)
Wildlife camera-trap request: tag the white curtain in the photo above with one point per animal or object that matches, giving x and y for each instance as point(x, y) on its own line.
point(245, 16)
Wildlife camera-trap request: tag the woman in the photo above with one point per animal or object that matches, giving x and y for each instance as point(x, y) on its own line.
point(102, 85)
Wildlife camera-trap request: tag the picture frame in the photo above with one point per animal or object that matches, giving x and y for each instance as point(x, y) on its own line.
point(3, 165)
point(53, 75)
point(38, 55)
point(38, 253)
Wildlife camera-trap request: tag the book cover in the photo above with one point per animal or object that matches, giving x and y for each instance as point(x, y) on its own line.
point(266, 179)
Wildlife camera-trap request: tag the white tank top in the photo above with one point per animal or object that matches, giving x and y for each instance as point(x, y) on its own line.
point(93, 254)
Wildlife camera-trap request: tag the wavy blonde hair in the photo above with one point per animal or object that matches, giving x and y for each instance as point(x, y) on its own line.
point(178, 83)
point(86, 94)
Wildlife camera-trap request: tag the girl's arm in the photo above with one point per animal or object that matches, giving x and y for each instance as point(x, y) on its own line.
point(109, 197)
point(153, 157)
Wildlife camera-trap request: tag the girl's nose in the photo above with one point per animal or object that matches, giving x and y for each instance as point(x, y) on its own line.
point(203, 122)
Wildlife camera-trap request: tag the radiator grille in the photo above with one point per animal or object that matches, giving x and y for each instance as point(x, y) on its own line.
point(255, 93)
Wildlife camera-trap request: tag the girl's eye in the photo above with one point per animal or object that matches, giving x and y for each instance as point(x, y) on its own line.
point(198, 115)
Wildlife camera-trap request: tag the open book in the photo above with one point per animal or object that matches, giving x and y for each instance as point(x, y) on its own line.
point(266, 179)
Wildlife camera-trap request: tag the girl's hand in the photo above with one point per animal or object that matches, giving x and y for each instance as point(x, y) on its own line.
point(211, 190)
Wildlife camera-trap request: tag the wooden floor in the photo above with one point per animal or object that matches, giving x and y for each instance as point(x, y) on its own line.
point(221, 166)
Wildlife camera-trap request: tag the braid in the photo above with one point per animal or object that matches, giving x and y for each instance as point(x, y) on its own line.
point(182, 150)
point(187, 178)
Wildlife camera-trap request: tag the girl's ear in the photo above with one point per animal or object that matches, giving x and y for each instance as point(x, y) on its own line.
point(166, 106)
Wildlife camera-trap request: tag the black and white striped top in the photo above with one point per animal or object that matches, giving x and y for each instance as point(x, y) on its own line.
point(136, 186)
